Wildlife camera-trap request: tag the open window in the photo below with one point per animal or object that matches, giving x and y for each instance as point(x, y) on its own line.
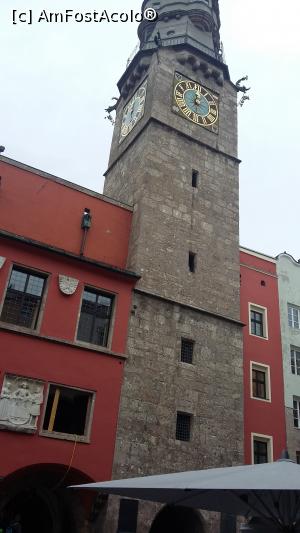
point(68, 413)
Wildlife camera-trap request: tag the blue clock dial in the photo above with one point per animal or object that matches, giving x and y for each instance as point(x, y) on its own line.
point(196, 103)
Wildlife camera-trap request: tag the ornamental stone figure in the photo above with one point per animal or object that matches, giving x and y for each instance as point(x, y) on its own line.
point(5, 398)
point(20, 402)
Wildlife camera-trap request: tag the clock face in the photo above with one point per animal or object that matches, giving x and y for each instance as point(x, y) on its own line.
point(133, 111)
point(196, 103)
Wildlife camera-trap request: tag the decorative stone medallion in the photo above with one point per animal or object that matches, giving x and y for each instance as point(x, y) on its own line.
point(68, 285)
point(2, 261)
point(20, 403)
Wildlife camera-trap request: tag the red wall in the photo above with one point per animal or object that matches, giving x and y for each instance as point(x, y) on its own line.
point(63, 365)
point(59, 362)
point(262, 417)
point(51, 212)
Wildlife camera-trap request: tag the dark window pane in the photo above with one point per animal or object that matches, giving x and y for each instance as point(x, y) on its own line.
point(296, 412)
point(192, 262)
point(183, 427)
point(95, 317)
point(259, 384)
point(195, 175)
point(260, 452)
point(23, 299)
point(257, 323)
point(187, 349)
point(66, 411)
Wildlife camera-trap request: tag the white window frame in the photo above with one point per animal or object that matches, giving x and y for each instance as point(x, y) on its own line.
point(268, 439)
point(264, 311)
point(292, 322)
point(261, 368)
point(294, 350)
point(296, 399)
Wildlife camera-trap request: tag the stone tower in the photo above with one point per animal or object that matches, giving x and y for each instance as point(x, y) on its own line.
point(174, 157)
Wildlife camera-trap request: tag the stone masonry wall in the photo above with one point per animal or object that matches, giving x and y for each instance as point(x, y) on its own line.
point(152, 169)
point(157, 385)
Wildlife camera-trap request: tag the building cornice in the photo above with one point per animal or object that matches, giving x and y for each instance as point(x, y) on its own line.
point(64, 182)
point(260, 270)
point(259, 255)
point(185, 305)
point(69, 255)
point(10, 328)
point(289, 257)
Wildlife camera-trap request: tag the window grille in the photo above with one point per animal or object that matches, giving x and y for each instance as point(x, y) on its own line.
point(95, 317)
point(183, 427)
point(23, 298)
point(187, 350)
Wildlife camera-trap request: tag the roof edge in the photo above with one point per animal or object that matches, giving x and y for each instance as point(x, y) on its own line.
point(259, 255)
point(69, 255)
point(65, 183)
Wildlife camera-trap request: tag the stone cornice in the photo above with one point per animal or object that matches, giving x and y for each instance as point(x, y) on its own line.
point(185, 305)
point(189, 137)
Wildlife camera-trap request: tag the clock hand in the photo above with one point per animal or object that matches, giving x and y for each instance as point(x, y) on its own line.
point(198, 98)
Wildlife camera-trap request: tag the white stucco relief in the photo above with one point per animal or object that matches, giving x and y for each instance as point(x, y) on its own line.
point(20, 403)
point(2, 261)
point(67, 285)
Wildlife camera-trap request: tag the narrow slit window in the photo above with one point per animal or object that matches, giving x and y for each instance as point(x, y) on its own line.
point(192, 262)
point(195, 178)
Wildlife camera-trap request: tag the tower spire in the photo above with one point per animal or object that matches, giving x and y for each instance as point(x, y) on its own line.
point(186, 22)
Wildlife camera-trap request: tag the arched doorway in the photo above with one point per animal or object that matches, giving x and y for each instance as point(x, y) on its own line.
point(177, 519)
point(36, 498)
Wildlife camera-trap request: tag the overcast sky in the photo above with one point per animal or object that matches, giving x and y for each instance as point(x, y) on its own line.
point(56, 80)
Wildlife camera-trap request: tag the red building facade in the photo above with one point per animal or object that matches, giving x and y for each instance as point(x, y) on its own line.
point(65, 299)
point(264, 417)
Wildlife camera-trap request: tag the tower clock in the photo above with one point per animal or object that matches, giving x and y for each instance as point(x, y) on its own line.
point(195, 102)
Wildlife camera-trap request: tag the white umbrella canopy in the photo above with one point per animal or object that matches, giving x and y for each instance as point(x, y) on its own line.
point(270, 491)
